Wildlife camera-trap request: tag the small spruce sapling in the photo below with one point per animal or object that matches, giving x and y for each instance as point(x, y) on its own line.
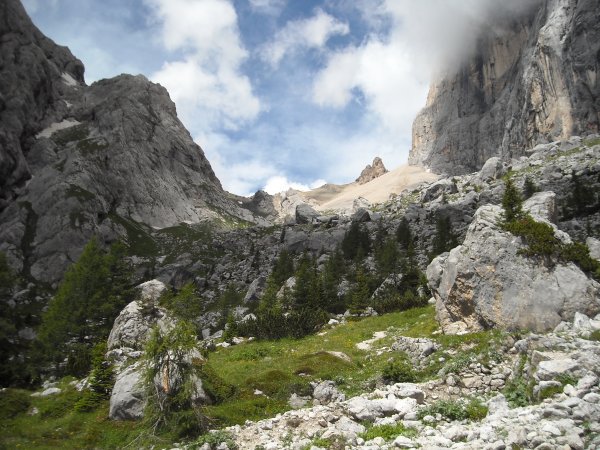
point(512, 202)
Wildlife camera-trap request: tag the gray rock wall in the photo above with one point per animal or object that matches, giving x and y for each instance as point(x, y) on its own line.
point(532, 79)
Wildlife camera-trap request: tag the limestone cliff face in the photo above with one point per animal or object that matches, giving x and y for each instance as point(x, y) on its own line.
point(532, 79)
point(78, 160)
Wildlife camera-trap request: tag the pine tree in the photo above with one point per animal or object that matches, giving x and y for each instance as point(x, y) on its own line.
point(356, 243)
point(512, 202)
point(444, 239)
point(283, 267)
point(403, 234)
point(529, 188)
point(361, 293)
point(91, 295)
point(306, 279)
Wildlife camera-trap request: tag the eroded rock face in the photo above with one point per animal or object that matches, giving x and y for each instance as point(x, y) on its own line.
point(532, 79)
point(372, 171)
point(133, 325)
point(97, 159)
point(487, 283)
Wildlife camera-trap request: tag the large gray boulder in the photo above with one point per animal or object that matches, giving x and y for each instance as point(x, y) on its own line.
point(487, 282)
point(133, 324)
point(305, 214)
point(128, 399)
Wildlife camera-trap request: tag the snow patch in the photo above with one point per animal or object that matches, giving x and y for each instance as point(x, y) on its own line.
point(47, 132)
point(68, 79)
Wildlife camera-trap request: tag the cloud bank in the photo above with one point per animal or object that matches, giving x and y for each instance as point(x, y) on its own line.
point(207, 83)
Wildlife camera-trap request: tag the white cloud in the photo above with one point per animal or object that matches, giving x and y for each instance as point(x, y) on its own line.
point(280, 183)
point(410, 43)
point(313, 32)
point(270, 7)
point(207, 83)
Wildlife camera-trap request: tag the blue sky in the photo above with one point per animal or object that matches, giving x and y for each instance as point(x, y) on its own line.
point(278, 93)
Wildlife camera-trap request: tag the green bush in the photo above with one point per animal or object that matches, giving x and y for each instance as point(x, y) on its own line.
point(275, 324)
point(455, 410)
point(100, 382)
point(388, 432)
point(595, 336)
point(13, 402)
point(399, 371)
point(541, 242)
point(215, 438)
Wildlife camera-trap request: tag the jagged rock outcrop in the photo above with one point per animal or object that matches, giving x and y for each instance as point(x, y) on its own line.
point(372, 171)
point(34, 74)
point(126, 343)
point(487, 281)
point(532, 79)
point(77, 160)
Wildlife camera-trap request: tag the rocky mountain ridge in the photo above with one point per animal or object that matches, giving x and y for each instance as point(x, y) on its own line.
point(78, 160)
point(533, 79)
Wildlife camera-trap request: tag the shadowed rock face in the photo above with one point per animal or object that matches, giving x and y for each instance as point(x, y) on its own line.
point(532, 79)
point(30, 85)
point(78, 160)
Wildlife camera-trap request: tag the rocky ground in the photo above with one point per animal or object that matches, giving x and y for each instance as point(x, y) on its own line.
point(560, 370)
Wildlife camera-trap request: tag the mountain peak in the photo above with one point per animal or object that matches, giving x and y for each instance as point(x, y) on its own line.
point(372, 171)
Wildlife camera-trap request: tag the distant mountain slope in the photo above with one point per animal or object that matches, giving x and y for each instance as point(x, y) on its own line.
point(532, 79)
point(340, 198)
point(78, 160)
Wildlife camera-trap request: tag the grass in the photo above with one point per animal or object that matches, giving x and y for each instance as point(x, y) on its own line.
point(79, 193)
point(456, 410)
point(279, 368)
point(57, 425)
point(71, 134)
point(139, 240)
point(388, 432)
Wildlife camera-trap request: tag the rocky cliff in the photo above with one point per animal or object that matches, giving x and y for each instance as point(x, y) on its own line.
point(78, 160)
point(372, 171)
point(532, 79)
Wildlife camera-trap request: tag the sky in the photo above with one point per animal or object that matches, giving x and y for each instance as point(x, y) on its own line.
point(280, 93)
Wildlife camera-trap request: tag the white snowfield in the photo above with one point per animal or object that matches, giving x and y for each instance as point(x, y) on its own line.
point(47, 132)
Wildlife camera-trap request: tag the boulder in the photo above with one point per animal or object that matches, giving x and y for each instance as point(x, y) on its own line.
point(491, 170)
point(415, 348)
point(361, 215)
point(443, 186)
point(487, 282)
point(326, 392)
point(255, 290)
point(542, 206)
point(305, 214)
point(127, 399)
point(134, 323)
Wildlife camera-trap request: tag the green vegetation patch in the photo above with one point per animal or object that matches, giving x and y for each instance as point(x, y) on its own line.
point(139, 241)
point(473, 410)
point(279, 368)
point(71, 134)
point(591, 142)
point(91, 145)
point(79, 193)
point(388, 432)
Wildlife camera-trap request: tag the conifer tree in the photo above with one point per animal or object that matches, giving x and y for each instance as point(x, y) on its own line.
point(512, 202)
point(92, 293)
point(403, 234)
